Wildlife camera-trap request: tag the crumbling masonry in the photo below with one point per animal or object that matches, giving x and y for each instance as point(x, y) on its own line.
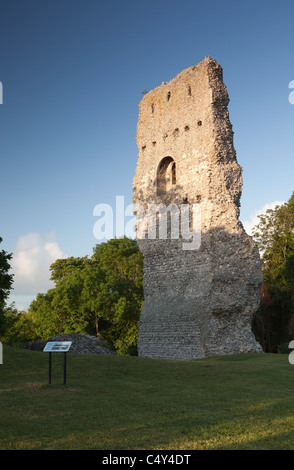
point(197, 302)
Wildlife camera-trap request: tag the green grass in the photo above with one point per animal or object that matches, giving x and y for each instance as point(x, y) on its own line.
point(114, 402)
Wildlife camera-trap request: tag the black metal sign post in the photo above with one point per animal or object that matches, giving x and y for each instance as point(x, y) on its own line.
point(61, 346)
point(50, 365)
point(64, 368)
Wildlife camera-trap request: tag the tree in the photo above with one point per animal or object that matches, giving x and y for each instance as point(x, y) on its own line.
point(101, 295)
point(20, 327)
point(274, 322)
point(122, 294)
point(65, 267)
point(6, 281)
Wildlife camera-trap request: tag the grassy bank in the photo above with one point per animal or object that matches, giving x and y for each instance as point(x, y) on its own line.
point(113, 402)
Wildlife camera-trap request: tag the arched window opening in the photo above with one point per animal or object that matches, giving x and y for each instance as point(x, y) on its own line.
point(166, 175)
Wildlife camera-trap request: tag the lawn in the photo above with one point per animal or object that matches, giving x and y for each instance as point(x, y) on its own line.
point(130, 403)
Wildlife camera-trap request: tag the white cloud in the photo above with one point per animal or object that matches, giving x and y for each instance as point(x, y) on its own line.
point(32, 256)
point(254, 220)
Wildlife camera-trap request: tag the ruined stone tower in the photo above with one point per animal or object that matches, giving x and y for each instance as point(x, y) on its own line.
point(197, 302)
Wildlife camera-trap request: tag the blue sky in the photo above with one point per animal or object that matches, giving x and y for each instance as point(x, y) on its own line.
point(73, 73)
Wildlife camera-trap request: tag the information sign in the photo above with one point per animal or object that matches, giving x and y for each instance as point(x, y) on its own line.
point(57, 347)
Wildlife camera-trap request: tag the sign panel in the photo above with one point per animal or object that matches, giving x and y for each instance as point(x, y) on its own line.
point(57, 346)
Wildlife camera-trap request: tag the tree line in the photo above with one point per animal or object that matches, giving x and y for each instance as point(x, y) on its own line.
point(102, 295)
point(273, 323)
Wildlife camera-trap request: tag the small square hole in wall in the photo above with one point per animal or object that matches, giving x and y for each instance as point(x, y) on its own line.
point(168, 96)
point(187, 128)
point(199, 123)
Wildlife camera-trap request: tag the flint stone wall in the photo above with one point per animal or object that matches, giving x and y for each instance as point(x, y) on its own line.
point(197, 303)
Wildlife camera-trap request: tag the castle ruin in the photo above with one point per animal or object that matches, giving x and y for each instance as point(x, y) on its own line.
point(197, 302)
